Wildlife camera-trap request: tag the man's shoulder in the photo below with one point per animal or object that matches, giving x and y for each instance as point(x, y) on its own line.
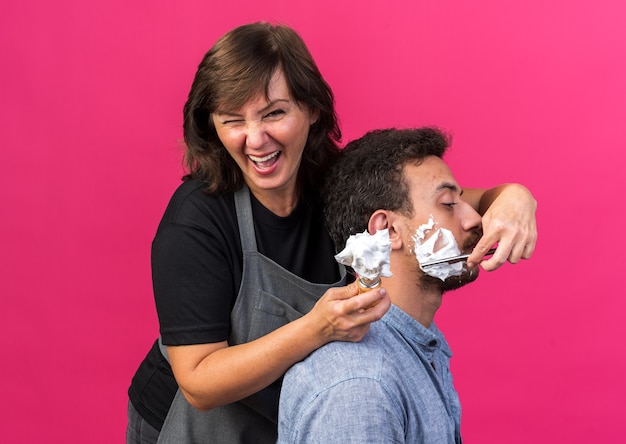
point(319, 391)
point(340, 361)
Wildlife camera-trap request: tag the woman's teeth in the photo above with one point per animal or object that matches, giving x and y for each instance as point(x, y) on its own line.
point(264, 161)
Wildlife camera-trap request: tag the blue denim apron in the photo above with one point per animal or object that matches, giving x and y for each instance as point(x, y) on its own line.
point(269, 297)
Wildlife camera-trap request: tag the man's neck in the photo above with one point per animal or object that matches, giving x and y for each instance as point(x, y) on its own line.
point(418, 302)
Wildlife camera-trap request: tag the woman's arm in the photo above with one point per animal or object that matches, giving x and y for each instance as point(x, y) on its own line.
point(211, 375)
point(508, 220)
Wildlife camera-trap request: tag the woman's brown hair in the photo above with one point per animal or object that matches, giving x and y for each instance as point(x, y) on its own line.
point(239, 66)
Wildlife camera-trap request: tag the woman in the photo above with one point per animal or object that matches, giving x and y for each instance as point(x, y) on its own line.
point(244, 277)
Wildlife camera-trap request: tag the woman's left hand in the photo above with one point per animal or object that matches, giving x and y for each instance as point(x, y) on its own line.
point(508, 221)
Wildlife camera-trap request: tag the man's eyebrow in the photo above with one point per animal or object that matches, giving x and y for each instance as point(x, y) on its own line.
point(448, 186)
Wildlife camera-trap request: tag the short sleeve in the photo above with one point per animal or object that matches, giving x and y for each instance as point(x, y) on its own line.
point(196, 267)
point(193, 286)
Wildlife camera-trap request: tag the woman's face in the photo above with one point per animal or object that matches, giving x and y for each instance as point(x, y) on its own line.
point(266, 138)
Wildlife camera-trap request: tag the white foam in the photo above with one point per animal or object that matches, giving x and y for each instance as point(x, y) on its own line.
point(437, 245)
point(368, 254)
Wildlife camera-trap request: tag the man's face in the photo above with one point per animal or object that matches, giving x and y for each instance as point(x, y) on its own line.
point(442, 224)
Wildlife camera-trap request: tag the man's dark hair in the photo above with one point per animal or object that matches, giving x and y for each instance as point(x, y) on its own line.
point(367, 177)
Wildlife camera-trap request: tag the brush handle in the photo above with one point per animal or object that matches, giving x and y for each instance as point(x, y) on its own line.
point(367, 284)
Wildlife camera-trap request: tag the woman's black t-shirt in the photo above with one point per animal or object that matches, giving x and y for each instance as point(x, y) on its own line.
point(196, 272)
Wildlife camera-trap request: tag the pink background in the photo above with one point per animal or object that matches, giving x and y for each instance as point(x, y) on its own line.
point(534, 91)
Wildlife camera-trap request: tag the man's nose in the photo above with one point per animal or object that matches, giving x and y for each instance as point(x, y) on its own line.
point(470, 219)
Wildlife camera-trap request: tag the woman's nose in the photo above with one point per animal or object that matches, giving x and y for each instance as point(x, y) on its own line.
point(255, 134)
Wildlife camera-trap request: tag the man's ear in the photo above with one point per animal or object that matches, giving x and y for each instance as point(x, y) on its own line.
point(382, 219)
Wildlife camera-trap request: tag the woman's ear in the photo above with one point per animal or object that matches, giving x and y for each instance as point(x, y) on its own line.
point(314, 116)
point(382, 219)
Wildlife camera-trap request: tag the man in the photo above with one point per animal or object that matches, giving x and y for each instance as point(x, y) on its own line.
point(395, 385)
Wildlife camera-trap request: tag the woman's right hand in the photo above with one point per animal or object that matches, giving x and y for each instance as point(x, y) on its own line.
point(345, 314)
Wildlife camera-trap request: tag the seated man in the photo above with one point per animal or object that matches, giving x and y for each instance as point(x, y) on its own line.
point(395, 385)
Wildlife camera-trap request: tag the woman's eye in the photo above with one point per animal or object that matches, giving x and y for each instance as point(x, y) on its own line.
point(450, 204)
point(275, 113)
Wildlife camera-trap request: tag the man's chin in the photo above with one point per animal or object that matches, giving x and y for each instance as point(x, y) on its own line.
point(452, 282)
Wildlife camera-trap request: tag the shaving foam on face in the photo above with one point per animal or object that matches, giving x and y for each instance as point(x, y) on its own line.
point(367, 254)
point(439, 245)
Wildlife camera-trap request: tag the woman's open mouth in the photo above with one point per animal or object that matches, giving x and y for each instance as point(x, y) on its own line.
point(265, 162)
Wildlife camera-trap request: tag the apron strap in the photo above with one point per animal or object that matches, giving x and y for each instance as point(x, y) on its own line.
point(244, 219)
